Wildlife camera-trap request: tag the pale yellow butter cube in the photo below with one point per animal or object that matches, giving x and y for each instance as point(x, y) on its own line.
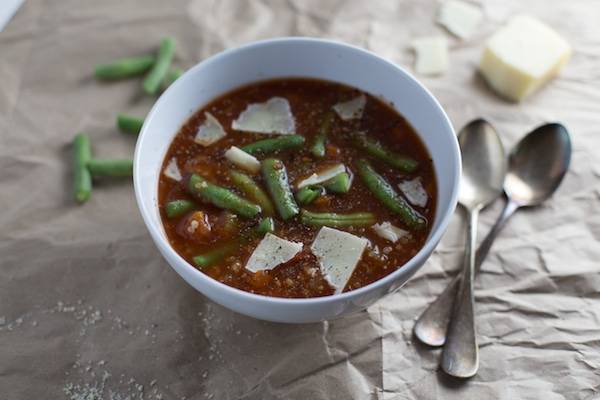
point(522, 56)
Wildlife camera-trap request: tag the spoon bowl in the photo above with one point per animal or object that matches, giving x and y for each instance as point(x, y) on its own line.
point(484, 164)
point(538, 164)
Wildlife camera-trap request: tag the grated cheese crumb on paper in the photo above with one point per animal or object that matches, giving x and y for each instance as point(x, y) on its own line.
point(431, 55)
point(459, 17)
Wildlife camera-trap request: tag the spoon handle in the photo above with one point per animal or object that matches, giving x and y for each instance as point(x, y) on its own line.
point(431, 326)
point(484, 247)
point(460, 356)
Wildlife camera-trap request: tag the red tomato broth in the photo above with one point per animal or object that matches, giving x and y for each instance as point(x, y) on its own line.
point(309, 99)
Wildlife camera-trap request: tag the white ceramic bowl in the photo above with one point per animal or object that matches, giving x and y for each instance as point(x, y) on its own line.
point(295, 57)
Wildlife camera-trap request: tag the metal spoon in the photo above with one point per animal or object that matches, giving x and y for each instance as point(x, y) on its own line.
point(484, 169)
point(537, 165)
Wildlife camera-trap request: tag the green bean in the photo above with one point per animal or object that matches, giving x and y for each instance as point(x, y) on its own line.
point(375, 149)
point(276, 179)
point(335, 220)
point(172, 76)
point(251, 189)
point(386, 194)
point(124, 68)
point(82, 179)
point(272, 145)
point(161, 66)
point(177, 208)
point(318, 147)
point(265, 226)
point(308, 194)
point(214, 256)
point(129, 124)
point(338, 184)
point(221, 197)
point(114, 168)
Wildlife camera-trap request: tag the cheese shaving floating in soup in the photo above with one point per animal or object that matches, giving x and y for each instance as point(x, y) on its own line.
point(242, 159)
point(389, 232)
point(322, 176)
point(210, 131)
point(172, 170)
point(459, 17)
point(431, 55)
point(338, 253)
point(414, 192)
point(271, 117)
point(271, 252)
point(352, 109)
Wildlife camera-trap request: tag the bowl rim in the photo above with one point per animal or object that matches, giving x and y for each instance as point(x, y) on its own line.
point(410, 267)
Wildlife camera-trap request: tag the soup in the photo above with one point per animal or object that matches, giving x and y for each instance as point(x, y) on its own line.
point(297, 188)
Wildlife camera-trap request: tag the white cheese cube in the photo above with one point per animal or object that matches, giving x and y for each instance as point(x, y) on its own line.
point(338, 253)
point(271, 252)
point(242, 159)
point(459, 17)
point(431, 55)
point(523, 56)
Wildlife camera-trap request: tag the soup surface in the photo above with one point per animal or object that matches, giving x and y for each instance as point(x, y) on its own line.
point(252, 222)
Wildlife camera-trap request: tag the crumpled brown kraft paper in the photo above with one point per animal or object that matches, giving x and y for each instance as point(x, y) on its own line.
point(89, 310)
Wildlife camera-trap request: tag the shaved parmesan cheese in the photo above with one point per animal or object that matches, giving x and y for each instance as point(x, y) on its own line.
point(210, 131)
point(242, 159)
point(338, 253)
point(523, 56)
point(273, 116)
point(172, 170)
point(432, 55)
point(352, 109)
point(322, 176)
point(414, 191)
point(459, 17)
point(272, 251)
point(389, 232)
